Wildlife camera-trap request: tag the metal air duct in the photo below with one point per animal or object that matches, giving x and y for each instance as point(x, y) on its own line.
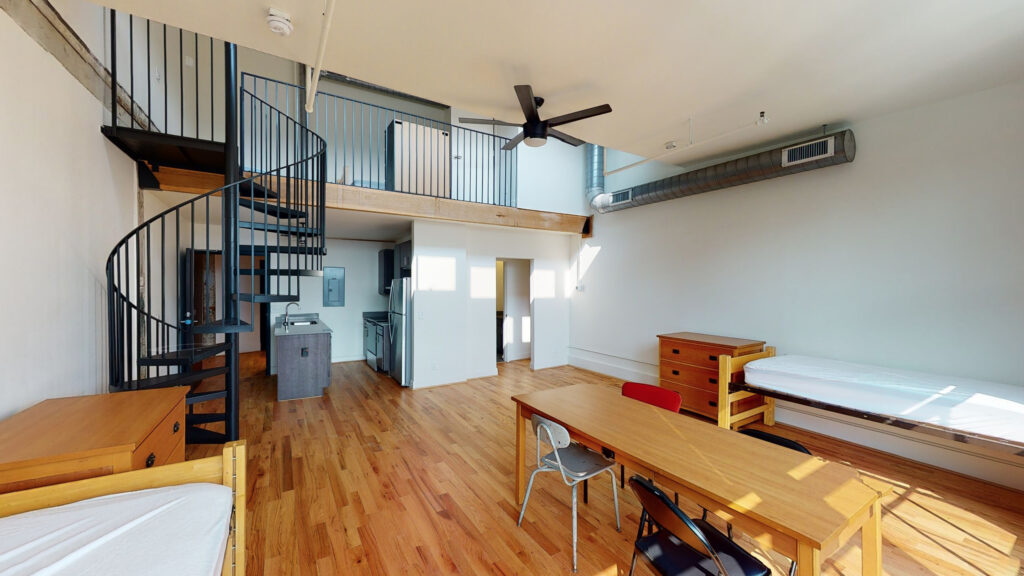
point(829, 150)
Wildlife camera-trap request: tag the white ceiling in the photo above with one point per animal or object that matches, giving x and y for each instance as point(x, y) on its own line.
point(658, 63)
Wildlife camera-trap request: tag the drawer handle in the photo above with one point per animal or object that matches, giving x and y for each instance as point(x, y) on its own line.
point(675, 350)
point(675, 372)
point(177, 426)
point(713, 380)
point(713, 358)
point(150, 460)
point(712, 403)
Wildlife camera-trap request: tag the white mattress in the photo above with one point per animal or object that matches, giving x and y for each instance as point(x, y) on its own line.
point(970, 406)
point(172, 531)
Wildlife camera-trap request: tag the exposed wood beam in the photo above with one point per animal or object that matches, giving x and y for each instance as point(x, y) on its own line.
point(357, 199)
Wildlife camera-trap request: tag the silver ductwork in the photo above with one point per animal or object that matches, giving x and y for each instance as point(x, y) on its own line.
point(828, 150)
point(595, 171)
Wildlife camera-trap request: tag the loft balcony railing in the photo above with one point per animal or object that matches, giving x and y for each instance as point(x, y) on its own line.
point(381, 148)
point(170, 80)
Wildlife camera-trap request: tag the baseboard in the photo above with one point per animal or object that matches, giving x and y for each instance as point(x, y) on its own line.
point(624, 368)
point(1006, 470)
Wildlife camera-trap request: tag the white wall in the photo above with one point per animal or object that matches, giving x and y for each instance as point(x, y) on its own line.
point(70, 196)
point(454, 298)
point(909, 257)
point(359, 258)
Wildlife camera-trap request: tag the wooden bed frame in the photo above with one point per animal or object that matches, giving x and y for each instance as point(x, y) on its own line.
point(227, 470)
point(727, 366)
point(731, 392)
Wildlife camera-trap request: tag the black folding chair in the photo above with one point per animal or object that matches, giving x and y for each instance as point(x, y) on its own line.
point(683, 545)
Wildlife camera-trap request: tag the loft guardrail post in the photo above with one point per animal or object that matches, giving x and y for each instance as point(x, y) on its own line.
point(113, 69)
point(229, 247)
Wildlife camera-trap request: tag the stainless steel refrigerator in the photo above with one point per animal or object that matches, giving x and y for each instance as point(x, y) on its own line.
point(400, 322)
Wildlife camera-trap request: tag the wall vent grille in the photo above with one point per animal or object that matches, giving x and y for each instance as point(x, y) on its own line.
point(809, 152)
point(622, 197)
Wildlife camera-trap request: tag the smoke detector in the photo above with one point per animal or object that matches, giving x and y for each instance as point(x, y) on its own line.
point(280, 23)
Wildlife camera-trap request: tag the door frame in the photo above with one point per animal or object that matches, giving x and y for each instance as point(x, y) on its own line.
point(529, 303)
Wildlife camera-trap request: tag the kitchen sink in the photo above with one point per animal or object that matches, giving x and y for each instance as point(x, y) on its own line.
point(303, 323)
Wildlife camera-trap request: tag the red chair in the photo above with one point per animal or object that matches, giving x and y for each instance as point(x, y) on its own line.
point(654, 395)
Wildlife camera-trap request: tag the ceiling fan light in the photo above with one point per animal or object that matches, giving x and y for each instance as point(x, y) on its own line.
point(535, 141)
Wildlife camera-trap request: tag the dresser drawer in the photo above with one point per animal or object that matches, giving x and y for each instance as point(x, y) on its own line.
point(694, 399)
point(164, 444)
point(705, 402)
point(687, 353)
point(691, 376)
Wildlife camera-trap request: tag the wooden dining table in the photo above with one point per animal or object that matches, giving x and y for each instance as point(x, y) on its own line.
point(801, 506)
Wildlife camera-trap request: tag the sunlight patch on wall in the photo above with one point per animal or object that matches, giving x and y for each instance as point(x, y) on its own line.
point(526, 330)
point(482, 283)
point(435, 273)
point(542, 284)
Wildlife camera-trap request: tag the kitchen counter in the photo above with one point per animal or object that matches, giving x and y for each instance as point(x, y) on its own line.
point(317, 328)
point(303, 355)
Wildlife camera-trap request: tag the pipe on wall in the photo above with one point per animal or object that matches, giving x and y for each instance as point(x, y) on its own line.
point(752, 168)
point(594, 171)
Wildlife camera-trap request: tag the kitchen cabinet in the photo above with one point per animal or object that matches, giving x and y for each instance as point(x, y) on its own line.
point(403, 260)
point(304, 361)
point(386, 270)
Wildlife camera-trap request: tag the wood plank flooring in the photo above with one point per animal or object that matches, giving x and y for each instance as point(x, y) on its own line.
point(375, 479)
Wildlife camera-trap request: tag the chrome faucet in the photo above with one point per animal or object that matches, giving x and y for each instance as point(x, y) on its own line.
point(286, 321)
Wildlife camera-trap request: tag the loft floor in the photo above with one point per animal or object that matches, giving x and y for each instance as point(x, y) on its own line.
point(376, 479)
point(355, 198)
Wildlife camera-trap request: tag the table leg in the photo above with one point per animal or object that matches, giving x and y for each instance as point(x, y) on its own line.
point(808, 560)
point(871, 542)
point(520, 454)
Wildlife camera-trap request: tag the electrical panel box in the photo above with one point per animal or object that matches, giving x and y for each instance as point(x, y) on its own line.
point(334, 286)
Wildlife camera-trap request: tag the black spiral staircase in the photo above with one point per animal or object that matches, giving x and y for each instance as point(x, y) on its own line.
point(252, 238)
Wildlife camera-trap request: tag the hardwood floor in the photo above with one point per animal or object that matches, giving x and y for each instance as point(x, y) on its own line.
point(375, 479)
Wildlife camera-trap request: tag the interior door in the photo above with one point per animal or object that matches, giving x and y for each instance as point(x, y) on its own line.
point(518, 325)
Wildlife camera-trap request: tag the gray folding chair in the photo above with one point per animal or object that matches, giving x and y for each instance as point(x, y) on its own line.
point(574, 461)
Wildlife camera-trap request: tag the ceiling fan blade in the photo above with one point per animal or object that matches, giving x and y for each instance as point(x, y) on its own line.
point(525, 94)
point(572, 140)
point(514, 142)
point(579, 115)
point(486, 121)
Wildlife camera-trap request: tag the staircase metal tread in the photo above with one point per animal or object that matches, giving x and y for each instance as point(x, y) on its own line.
point(173, 380)
point(279, 228)
point(271, 209)
point(197, 397)
point(220, 327)
point(279, 272)
point(184, 356)
point(260, 250)
point(194, 435)
point(267, 298)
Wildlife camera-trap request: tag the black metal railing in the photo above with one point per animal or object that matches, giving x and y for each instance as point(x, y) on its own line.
point(168, 80)
point(371, 146)
point(152, 272)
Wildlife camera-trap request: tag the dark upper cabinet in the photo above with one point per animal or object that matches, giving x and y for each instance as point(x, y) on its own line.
point(403, 260)
point(385, 271)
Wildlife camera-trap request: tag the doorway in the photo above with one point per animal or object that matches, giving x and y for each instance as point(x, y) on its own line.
point(514, 323)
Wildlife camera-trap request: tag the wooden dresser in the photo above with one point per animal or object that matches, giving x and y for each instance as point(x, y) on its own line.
point(65, 439)
point(688, 364)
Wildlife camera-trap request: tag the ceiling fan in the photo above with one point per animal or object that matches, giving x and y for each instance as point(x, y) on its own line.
point(536, 131)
